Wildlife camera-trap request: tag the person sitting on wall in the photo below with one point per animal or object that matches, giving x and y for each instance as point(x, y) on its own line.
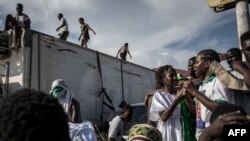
point(23, 24)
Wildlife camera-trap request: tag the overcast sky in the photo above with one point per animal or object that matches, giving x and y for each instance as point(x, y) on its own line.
point(159, 32)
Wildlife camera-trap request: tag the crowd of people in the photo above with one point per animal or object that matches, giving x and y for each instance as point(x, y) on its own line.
point(194, 108)
point(198, 107)
point(20, 24)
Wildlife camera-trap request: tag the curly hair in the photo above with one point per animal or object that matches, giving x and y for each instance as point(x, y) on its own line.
point(161, 74)
point(210, 55)
point(29, 115)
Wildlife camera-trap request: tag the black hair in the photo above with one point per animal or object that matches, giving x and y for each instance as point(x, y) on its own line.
point(127, 108)
point(223, 109)
point(126, 44)
point(60, 14)
point(192, 59)
point(236, 52)
point(19, 5)
point(161, 74)
point(122, 104)
point(29, 115)
point(245, 36)
point(81, 19)
point(210, 55)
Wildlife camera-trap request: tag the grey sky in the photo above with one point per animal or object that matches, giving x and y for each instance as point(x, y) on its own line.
point(159, 32)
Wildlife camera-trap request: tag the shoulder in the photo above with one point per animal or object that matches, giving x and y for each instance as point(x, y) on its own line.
point(25, 15)
point(117, 119)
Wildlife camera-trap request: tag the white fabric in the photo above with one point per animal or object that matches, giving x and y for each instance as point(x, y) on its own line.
point(214, 90)
point(171, 129)
point(116, 128)
point(65, 27)
point(65, 96)
point(236, 74)
point(82, 131)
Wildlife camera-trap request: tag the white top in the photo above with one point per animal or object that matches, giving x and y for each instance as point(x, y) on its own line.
point(82, 131)
point(171, 130)
point(116, 128)
point(65, 27)
point(214, 90)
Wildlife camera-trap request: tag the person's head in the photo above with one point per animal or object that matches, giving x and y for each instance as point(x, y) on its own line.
point(126, 44)
point(122, 104)
point(127, 112)
point(167, 76)
point(60, 15)
point(81, 20)
point(61, 91)
point(19, 8)
point(29, 115)
point(234, 54)
point(144, 132)
point(203, 60)
point(191, 63)
point(245, 43)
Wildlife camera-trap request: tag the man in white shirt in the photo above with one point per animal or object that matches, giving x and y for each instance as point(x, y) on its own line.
point(116, 125)
point(64, 32)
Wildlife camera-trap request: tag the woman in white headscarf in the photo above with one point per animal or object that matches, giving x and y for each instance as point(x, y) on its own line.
point(61, 91)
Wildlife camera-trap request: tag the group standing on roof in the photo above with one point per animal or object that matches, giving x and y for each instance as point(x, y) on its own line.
point(20, 24)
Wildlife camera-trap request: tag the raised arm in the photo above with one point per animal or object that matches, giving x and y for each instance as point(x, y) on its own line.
point(241, 68)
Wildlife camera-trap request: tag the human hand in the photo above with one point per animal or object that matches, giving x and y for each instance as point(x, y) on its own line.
point(181, 94)
point(215, 130)
point(57, 29)
point(188, 85)
point(236, 65)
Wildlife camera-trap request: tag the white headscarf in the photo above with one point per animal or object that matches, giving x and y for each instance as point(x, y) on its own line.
point(64, 96)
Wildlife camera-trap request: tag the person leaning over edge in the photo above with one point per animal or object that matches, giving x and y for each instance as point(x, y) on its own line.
point(123, 52)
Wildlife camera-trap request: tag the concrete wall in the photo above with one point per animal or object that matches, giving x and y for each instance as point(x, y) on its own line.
point(78, 67)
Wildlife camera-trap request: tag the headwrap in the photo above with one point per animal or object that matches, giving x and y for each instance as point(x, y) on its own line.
point(60, 90)
point(144, 131)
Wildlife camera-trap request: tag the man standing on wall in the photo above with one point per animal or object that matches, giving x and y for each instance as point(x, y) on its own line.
point(64, 27)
